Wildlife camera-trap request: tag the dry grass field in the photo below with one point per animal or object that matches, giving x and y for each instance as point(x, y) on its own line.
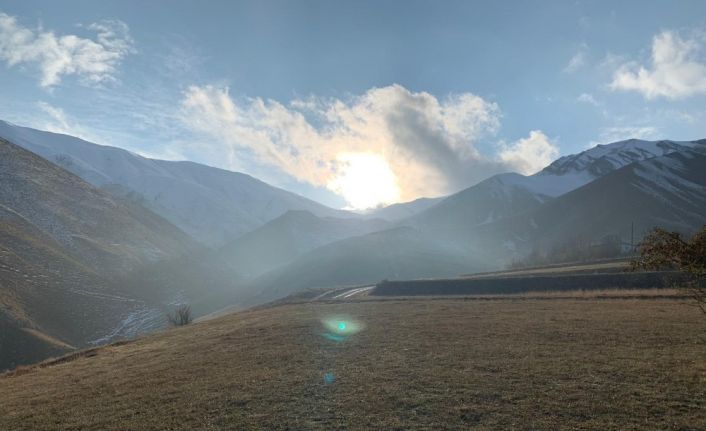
point(577, 268)
point(526, 363)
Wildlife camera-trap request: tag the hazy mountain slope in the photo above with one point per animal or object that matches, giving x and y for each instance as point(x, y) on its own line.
point(212, 278)
point(404, 210)
point(667, 191)
point(487, 225)
point(282, 240)
point(61, 240)
point(210, 204)
point(100, 230)
point(399, 253)
point(493, 199)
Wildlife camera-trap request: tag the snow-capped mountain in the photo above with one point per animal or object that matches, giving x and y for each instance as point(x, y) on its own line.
point(212, 205)
point(509, 194)
point(667, 191)
point(570, 172)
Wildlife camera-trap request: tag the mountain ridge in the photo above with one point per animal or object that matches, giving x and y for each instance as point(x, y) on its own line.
point(606, 206)
point(211, 204)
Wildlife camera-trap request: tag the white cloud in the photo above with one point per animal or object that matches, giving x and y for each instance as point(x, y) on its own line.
point(578, 60)
point(94, 61)
point(678, 69)
point(531, 154)
point(57, 121)
point(588, 98)
point(428, 143)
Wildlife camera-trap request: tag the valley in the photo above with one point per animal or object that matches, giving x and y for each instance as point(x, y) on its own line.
point(353, 215)
point(129, 251)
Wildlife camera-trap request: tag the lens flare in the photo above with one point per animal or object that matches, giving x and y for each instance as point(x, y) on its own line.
point(329, 378)
point(338, 328)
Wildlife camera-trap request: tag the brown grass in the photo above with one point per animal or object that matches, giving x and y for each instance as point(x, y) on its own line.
point(619, 364)
point(673, 293)
point(617, 265)
point(48, 339)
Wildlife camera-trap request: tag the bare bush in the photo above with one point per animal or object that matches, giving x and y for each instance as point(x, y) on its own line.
point(181, 316)
point(662, 249)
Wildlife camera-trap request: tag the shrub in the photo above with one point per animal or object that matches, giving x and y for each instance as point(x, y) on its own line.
point(662, 249)
point(181, 316)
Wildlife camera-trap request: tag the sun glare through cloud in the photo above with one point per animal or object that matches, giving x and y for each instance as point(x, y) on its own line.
point(365, 181)
point(267, 214)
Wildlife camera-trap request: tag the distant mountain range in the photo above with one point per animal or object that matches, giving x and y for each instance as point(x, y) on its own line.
point(607, 190)
point(405, 210)
point(97, 242)
point(212, 205)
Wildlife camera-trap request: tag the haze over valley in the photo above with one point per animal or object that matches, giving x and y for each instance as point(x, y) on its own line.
point(135, 251)
point(352, 215)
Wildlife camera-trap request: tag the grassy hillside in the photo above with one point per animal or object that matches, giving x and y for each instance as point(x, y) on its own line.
point(432, 364)
point(62, 241)
point(47, 296)
point(104, 232)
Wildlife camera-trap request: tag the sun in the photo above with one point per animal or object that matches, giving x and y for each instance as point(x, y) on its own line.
point(365, 181)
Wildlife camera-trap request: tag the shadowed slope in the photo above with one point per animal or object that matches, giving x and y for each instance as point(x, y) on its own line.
point(61, 241)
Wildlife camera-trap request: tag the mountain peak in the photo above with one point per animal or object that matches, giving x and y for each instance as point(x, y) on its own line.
point(601, 159)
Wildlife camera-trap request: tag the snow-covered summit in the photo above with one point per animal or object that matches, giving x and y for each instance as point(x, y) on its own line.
point(571, 172)
point(602, 159)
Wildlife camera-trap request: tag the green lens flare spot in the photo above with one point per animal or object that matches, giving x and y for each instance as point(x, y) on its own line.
point(341, 326)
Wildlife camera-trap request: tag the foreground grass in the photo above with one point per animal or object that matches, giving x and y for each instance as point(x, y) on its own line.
point(417, 364)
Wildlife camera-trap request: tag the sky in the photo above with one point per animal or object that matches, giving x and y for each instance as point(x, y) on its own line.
point(357, 104)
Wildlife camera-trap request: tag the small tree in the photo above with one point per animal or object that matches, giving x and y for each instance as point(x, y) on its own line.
point(662, 249)
point(181, 316)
